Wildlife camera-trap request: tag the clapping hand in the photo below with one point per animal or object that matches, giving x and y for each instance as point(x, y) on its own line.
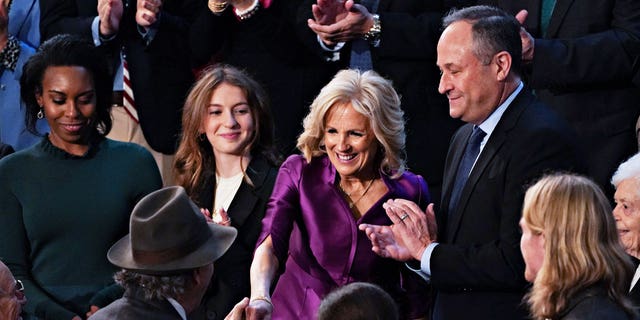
point(409, 235)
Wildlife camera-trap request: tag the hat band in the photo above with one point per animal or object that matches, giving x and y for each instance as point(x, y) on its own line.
point(151, 258)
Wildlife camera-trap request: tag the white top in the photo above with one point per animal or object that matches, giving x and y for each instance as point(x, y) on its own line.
point(176, 305)
point(226, 189)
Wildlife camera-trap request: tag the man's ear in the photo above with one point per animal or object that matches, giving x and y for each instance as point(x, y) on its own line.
point(198, 275)
point(502, 62)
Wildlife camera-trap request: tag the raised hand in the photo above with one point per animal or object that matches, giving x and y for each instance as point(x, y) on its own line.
point(356, 22)
point(327, 12)
point(148, 12)
point(110, 14)
point(528, 42)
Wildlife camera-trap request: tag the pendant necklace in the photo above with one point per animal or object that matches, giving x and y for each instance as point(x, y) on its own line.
point(351, 202)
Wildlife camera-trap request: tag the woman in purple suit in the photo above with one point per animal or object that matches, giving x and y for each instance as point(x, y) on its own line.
point(351, 163)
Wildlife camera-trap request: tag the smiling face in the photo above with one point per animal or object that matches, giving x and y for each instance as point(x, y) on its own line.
point(532, 247)
point(228, 122)
point(627, 215)
point(350, 142)
point(472, 87)
point(69, 102)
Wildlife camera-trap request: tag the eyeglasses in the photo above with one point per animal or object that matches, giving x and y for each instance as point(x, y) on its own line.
point(19, 286)
point(18, 289)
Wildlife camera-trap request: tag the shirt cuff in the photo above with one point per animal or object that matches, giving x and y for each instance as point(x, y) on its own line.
point(425, 265)
point(95, 33)
point(149, 33)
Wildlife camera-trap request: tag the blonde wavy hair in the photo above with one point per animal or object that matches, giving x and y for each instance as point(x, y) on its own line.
point(374, 97)
point(581, 244)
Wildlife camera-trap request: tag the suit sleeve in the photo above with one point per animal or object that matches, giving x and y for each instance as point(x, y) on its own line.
point(498, 264)
point(406, 33)
point(607, 57)
point(62, 16)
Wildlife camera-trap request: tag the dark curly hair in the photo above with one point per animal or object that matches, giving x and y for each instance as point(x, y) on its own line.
point(67, 50)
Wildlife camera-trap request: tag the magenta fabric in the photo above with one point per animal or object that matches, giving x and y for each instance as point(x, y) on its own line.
point(317, 239)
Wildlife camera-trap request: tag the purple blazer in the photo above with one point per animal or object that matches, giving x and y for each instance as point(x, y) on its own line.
point(316, 239)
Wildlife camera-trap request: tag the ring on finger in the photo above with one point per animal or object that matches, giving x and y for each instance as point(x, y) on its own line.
point(404, 216)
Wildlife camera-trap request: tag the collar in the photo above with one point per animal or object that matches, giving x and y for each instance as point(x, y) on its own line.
point(176, 305)
point(9, 55)
point(490, 123)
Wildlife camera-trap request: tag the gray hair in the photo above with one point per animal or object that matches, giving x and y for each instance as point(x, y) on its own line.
point(627, 170)
point(154, 286)
point(370, 95)
point(493, 30)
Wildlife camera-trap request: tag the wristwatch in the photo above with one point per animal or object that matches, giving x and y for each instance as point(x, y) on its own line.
point(373, 35)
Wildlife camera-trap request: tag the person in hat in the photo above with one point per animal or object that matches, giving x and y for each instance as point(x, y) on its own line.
point(167, 258)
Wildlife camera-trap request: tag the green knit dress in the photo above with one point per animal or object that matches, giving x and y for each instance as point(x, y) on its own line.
point(59, 215)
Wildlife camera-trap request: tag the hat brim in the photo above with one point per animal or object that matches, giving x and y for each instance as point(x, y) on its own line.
point(121, 254)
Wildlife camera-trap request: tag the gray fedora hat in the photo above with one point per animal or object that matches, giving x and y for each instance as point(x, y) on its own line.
point(168, 234)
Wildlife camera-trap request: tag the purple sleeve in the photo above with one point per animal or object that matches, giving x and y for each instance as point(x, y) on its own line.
point(283, 207)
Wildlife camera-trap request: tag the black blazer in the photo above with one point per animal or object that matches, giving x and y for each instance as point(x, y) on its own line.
point(477, 269)
point(160, 71)
point(634, 294)
point(583, 68)
point(593, 303)
point(5, 150)
point(266, 46)
point(230, 282)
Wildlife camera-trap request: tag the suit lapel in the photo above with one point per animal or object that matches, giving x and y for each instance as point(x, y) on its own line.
point(496, 140)
point(559, 12)
point(533, 19)
point(246, 197)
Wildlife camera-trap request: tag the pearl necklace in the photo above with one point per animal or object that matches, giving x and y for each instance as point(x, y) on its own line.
point(351, 202)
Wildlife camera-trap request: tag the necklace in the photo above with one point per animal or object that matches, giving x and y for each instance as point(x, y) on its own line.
point(351, 202)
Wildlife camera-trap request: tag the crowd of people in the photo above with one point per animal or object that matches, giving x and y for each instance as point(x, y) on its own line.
point(275, 159)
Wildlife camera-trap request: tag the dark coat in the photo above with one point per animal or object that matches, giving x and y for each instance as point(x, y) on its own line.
point(160, 71)
point(478, 269)
point(593, 303)
point(133, 306)
point(583, 68)
point(230, 282)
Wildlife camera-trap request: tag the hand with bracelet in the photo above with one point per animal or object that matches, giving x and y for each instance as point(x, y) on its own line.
point(244, 9)
point(352, 23)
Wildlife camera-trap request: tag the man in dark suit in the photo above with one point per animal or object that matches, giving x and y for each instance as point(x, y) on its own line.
point(476, 266)
point(401, 41)
point(582, 62)
point(166, 259)
point(152, 35)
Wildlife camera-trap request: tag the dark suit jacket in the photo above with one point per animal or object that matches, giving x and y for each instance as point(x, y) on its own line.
point(593, 303)
point(583, 68)
point(477, 269)
point(160, 71)
point(407, 57)
point(266, 46)
point(133, 306)
point(230, 282)
point(634, 294)
point(5, 150)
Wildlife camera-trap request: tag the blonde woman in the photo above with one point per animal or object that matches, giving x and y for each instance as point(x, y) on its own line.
point(352, 162)
point(228, 166)
point(573, 256)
